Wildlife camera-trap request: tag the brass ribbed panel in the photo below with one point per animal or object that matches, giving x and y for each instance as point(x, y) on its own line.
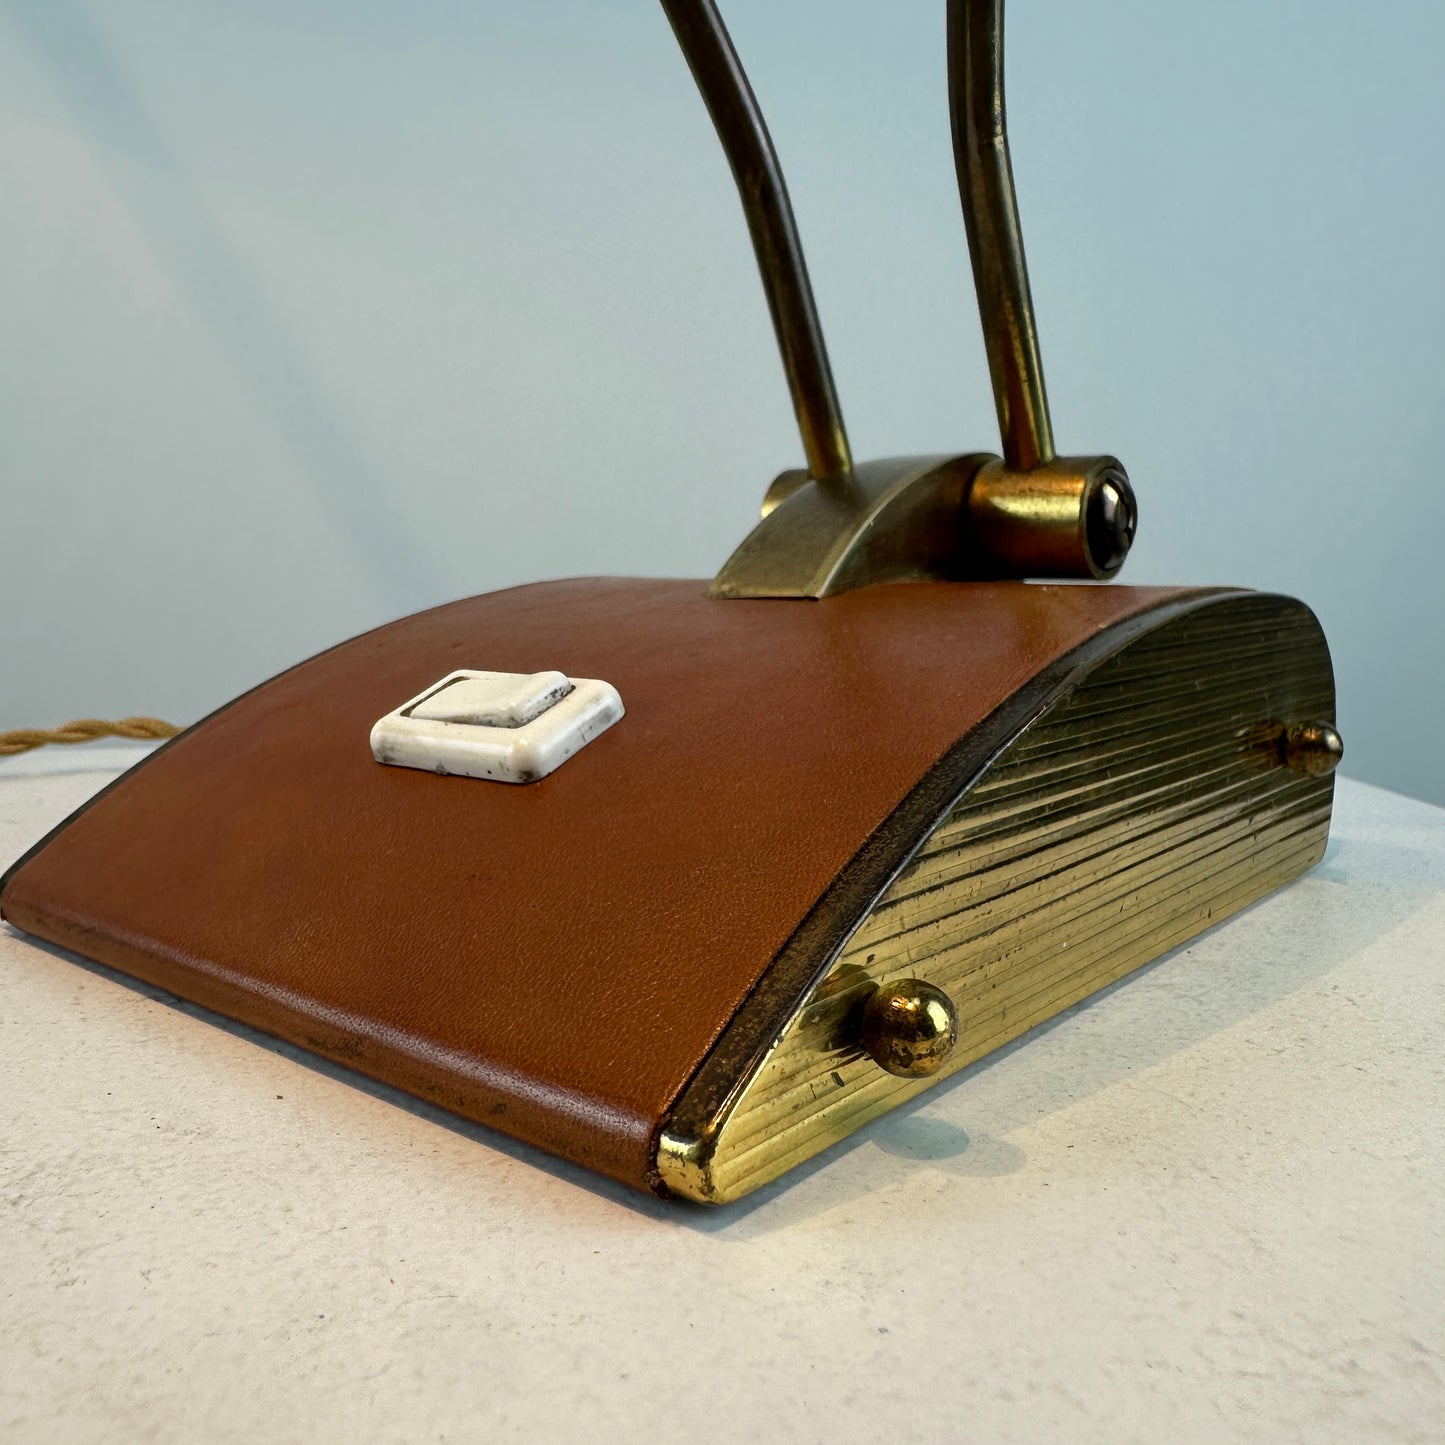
point(1145, 805)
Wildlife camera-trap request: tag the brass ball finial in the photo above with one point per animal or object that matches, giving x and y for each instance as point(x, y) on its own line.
point(1312, 749)
point(909, 1028)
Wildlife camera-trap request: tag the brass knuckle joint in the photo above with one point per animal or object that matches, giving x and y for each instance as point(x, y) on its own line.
point(1069, 517)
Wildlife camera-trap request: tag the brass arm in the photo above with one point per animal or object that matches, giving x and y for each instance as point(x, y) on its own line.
point(1030, 513)
point(991, 219)
point(1035, 513)
point(744, 136)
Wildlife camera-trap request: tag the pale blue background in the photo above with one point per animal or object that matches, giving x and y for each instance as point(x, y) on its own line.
point(316, 314)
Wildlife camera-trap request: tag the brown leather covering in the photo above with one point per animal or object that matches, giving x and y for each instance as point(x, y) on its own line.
point(552, 959)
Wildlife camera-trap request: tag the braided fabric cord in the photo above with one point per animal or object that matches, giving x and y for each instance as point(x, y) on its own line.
point(85, 730)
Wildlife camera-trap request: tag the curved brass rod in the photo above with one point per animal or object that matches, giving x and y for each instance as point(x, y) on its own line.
point(995, 242)
point(749, 149)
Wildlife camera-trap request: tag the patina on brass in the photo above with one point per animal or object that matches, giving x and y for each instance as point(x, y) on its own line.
point(890, 521)
point(1312, 748)
point(1111, 810)
point(909, 1028)
point(836, 526)
point(1067, 517)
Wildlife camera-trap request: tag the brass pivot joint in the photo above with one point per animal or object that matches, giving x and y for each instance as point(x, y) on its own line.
point(1070, 517)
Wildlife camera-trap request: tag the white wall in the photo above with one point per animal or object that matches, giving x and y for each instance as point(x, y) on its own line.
point(313, 314)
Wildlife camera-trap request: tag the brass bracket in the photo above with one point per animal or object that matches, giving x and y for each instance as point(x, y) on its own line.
point(837, 525)
point(941, 519)
point(887, 521)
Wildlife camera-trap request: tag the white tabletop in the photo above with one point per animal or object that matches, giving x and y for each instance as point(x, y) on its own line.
point(1210, 1205)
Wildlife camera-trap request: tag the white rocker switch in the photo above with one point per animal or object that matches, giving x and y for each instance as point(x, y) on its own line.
point(492, 699)
point(510, 727)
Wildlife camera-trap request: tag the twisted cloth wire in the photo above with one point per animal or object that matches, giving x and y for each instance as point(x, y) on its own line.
point(85, 730)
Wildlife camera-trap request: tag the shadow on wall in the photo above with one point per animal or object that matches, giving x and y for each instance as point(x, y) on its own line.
point(165, 204)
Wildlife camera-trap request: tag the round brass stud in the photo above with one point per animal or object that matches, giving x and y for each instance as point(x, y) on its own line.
point(909, 1028)
point(1312, 749)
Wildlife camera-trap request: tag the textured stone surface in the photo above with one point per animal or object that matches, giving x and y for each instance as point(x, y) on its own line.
point(1207, 1206)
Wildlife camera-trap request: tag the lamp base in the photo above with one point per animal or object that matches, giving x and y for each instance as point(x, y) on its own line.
point(657, 960)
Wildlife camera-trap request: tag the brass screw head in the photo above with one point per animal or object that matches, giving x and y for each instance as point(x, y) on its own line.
point(909, 1028)
point(1111, 518)
point(1312, 749)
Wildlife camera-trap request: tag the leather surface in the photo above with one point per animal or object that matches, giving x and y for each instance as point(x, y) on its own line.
point(552, 959)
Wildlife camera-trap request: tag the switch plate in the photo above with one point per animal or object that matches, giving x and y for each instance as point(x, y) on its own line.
point(508, 727)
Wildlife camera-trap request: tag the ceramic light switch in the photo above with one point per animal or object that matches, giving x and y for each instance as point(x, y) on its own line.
point(493, 699)
point(510, 727)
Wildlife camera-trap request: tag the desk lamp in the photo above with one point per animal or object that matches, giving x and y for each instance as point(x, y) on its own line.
point(685, 882)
